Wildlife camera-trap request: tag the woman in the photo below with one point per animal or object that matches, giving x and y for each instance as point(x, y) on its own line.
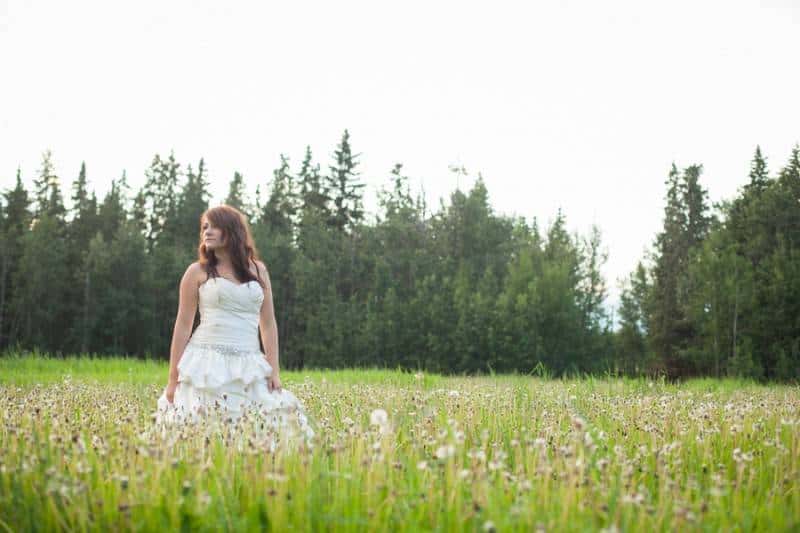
point(220, 368)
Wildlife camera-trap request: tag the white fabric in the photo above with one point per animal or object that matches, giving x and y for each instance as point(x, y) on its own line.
point(223, 372)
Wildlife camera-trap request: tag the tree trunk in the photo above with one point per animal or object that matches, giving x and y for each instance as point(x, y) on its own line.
point(3, 275)
point(735, 309)
point(85, 339)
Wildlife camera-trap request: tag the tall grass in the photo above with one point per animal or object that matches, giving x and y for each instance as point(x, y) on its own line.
point(79, 451)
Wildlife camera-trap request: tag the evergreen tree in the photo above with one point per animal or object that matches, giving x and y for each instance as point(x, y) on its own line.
point(401, 235)
point(759, 176)
point(343, 182)
point(82, 227)
point(591, 287)
point(40, 308)
point(117, 319)
point(236, 195)
point(84, 213)
point(279, 211)
point(112, 213)
point(313, 208)
point(160, 199)
point(48, 191)
point(192, 202)
point(632, 335)
point(16, 223)
point(669, 326)
point(139, 212)
point(695, 202)
point(720, 306)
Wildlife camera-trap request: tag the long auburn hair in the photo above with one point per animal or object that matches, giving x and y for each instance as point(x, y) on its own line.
point(238, 242)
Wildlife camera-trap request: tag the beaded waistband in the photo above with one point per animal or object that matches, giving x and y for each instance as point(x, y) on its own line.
point(225, 349)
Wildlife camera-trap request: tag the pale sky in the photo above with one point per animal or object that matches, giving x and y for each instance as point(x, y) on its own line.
point(581, 105)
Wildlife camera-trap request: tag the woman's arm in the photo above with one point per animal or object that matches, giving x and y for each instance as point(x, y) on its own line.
point(267, 323)
point(187, 307)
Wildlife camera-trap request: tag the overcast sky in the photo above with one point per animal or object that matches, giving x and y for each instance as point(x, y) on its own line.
point(581, 105)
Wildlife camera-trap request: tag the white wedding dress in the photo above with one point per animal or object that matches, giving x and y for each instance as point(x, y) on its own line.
point(222, 370)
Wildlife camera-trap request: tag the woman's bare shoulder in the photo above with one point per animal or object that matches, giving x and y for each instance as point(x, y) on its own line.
point(196, 272)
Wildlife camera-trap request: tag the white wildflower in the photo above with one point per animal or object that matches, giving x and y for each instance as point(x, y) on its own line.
point(378, 418)
point(443, 452)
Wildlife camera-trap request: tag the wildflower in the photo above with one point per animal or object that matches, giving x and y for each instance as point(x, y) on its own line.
point(378, 418)
point(443, 452)
point(480, 455)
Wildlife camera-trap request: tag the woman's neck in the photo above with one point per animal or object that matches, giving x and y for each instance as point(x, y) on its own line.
point(223, 259)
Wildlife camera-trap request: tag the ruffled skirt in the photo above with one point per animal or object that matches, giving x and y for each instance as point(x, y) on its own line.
point(229, 384)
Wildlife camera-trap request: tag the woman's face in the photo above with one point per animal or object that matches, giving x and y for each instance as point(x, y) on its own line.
point(212, 236)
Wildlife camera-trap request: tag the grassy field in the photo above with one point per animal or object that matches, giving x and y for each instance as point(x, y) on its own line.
point(505, 453)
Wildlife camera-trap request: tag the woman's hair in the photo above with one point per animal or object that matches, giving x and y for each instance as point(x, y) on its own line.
point(238, 241)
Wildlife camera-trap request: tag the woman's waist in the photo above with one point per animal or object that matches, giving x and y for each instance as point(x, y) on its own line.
point(241, 335)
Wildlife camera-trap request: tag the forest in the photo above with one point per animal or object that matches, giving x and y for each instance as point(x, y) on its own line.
point(453, 288)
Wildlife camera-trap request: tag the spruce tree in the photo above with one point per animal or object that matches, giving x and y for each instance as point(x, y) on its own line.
point(759, 176)
point(112, 213)
point(345, 186)
point(48, 191)
point(666, 317)
point(160, 196)
point(632, 334)
point(192, 202)
point(236, 194)
point(278, 213)
point(16, 224)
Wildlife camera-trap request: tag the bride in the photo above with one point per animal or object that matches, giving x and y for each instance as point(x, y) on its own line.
point(220, 369)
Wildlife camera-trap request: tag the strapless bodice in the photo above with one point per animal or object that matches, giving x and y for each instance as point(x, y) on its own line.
point(229, 313)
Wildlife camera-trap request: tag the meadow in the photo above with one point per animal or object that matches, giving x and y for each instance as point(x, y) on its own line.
point(400, 451)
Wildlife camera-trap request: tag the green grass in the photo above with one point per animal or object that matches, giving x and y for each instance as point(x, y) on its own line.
point(78, 451)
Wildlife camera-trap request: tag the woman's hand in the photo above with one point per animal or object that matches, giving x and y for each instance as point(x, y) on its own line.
point(170, 392)
point(274, 383)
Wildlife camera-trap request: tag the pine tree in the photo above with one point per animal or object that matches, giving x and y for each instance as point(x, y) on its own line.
point(759, 176)
point(80, 193)
point(398, 200)
point(632, 334)
point(84, 213)
point(48, 191)
point(346, 189)
point(279, 212)
point(666, 317)
point(112, 213)
point(40, 307)
point(80, 230)
point(192, 202)
point(139, 212)
point(16, 224)
point(313, 191)
point(591, 286)
point(786, 206)
point(160, 198)
point(236, 195)
point(695, 200)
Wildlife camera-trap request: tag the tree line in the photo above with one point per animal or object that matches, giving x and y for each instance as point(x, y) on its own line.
point(719, 293)
point(455, 288)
